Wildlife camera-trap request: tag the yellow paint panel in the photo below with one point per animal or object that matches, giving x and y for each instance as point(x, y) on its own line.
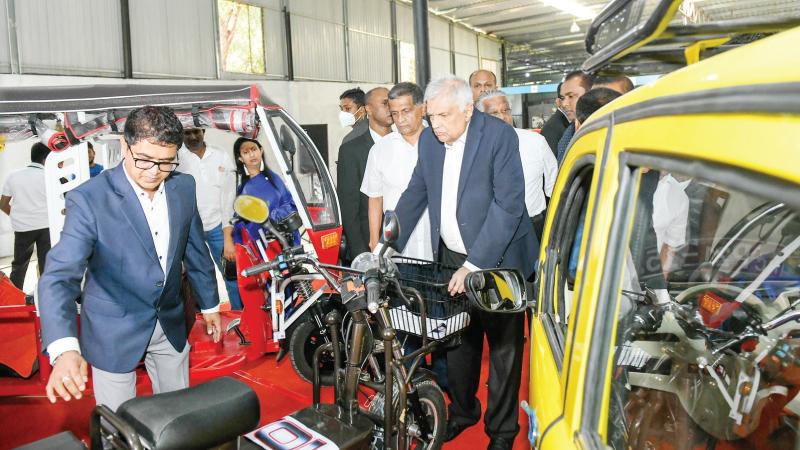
point(763, 143)
point(543, 395)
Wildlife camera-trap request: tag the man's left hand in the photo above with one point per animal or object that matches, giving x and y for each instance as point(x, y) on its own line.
point(213, 325)
point(457, 281)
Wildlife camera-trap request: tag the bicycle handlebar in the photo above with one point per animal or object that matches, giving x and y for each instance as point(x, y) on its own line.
point(284, 259)
point(372, 284)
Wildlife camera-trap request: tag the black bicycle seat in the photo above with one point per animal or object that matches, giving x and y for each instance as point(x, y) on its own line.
point(202, 416)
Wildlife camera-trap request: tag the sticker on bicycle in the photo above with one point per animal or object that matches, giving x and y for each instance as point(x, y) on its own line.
point(289, 434)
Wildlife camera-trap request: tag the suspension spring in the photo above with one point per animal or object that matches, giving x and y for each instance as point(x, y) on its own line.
point(305, 288)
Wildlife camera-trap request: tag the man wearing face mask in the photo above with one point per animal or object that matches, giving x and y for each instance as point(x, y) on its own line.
point(353, 113)
point(350, 170)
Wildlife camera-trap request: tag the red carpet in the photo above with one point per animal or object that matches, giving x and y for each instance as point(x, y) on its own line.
point(281, 391)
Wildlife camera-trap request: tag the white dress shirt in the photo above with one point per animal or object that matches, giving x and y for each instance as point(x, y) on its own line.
point(451, 173)
point(390, 164)
point(670, 211)
point(539, 168)
point(215, 177)
point(375, 136)
point(28, 198)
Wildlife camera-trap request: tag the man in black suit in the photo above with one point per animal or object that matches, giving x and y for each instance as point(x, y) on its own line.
point(554, 128)
point(469, 177)
point(350, 172)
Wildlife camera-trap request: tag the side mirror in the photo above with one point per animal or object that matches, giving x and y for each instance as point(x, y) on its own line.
point(497, 290)
point(291, 223)
point(391, 228)
point(251, 208)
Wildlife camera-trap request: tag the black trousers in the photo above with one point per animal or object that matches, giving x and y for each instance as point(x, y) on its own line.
point(505, 334)
point(538, 225)
point(23, 250)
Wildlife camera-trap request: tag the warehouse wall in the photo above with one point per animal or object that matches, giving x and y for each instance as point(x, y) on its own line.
point(341, 41)
point(312, 51)
point(309, 102)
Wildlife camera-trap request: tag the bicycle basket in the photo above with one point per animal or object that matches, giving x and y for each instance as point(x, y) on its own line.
point(446, 315)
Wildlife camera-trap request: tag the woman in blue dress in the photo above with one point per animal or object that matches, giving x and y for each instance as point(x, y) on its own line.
point(255, 178)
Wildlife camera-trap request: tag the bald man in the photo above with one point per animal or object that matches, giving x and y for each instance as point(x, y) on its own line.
point(482, 81)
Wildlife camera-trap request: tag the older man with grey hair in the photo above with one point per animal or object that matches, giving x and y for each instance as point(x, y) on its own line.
point(468, 176)
point(539, 166)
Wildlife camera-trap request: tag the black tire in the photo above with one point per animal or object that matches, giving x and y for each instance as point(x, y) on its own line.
point(305, 339)
point(433, 404)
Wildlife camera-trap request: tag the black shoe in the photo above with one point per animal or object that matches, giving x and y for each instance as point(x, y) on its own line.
point(500, 443)
point(281, 354)
point(453, 430)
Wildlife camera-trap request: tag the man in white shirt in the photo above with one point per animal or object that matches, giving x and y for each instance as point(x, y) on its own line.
point(670, 217)
point(390, 164)
point(539, 165)
point(215, 177)
point(25, 201)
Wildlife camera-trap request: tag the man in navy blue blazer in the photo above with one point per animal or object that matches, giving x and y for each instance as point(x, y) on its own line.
point(129, 230)
point(469, 176)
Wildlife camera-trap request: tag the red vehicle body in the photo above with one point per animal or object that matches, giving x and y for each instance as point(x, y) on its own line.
point(237, 109)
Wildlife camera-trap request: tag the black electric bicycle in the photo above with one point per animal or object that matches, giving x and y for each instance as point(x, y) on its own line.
point(377, 301)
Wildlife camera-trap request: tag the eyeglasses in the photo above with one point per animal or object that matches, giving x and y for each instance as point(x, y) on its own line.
point(147, 164)
point(560, 97)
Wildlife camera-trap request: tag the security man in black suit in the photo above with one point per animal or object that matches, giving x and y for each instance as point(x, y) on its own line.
point(554, 128)
point(350, 172)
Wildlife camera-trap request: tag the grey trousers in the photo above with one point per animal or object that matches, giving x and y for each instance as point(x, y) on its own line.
point(168, 371)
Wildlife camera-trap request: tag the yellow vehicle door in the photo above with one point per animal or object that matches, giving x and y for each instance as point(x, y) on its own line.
point(693, 343)
point(559, 284)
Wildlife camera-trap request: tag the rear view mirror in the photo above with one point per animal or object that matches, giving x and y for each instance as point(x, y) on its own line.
point(251, 208)
point(391, 227)
point(497, 290)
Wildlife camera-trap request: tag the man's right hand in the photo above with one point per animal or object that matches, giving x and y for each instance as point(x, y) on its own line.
point(69, 377)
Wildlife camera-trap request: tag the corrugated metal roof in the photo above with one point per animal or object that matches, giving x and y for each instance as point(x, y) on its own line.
point(540, 44)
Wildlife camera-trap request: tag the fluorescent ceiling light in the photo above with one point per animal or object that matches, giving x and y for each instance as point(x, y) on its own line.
point(572, 7)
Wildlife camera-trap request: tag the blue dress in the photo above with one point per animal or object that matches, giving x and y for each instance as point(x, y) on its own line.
point(277, 197)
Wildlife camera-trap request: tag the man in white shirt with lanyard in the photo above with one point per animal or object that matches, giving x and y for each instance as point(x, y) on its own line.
point(215, 174)
point(539, 165)
point(25, 201)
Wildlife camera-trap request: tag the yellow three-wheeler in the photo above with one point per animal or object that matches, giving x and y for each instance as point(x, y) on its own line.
point(668, 294)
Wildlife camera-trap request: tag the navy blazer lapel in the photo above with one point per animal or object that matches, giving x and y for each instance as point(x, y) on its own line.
point(474, 135)
point(132, 210)
point(175, 208)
